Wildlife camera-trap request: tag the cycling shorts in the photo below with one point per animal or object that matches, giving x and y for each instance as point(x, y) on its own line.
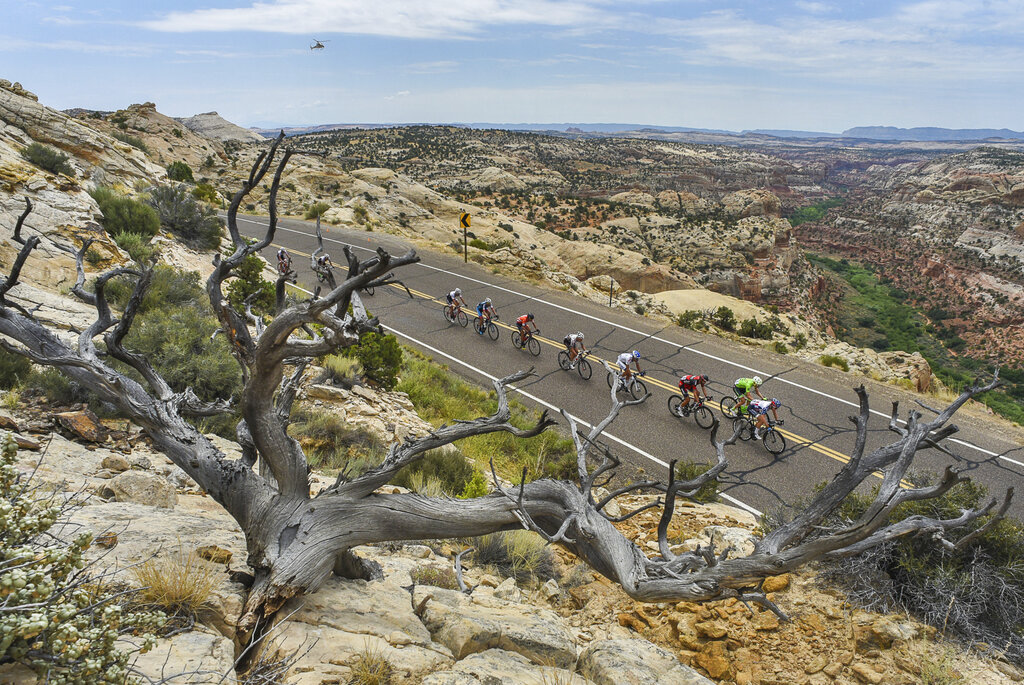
point(622, 367)
point(480, 311)
point(450, 299)
point(688, 385)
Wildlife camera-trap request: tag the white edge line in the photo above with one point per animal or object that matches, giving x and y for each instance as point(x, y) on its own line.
point(552, 407)
point(652, 337)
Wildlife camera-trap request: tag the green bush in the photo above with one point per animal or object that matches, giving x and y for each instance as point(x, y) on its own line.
point(136, 245)
point(204, 192)
point(197, 225)
point(134, 141)
point(834, 360)
point(248, 280)
point(447, 467)
point(724, 318)
point(435, 576)
point(780, 347)
point(47, 158)
point(342, 370)
point(170, 287)
point(57, 619)
point(691, 319)
point(752, 328)
point(519, 554)
point(476, 487)
point(124, 215)
point(180, 171)
point(381, 357)
point(318, 209)
point(56, 387)
point(14, 369)
point(688, 470)
point(330, 443)
point(799, 341)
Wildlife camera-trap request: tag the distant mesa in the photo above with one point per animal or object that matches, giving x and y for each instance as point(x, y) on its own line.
point(931, 133)
point(214, 126)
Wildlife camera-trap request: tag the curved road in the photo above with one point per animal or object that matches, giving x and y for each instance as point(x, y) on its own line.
point(816, 401)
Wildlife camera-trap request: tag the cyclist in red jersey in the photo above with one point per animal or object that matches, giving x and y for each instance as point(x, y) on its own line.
point(688, 386)
point(523, 324)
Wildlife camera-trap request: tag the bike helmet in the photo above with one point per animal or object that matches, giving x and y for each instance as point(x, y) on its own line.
point(579, 335)
point(704, 377)
point(636, 354)
point(530, 317)
point(458, 291)
point(775, 403)
point(757, 380)
point(487, 300)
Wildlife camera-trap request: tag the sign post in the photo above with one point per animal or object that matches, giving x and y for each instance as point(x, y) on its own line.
point(465, 220)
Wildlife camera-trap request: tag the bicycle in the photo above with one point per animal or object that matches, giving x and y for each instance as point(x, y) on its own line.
point(580, 363)
point(701, 414)
point(456, 315)
point(728, 406)
point(530, 343)
point(772, 439)
point(488, 327)
point(635, 387)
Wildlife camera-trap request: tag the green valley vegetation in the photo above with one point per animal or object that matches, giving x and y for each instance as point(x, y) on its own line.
point(866, 312)
point(815, 212)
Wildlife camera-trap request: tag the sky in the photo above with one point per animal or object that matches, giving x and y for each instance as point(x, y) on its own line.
point(732, 64)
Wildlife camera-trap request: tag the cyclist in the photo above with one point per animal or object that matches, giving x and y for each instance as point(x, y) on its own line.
point(484, 309)
point(624, 361)
point(523, 324)
point(324, 263)
point(743, 388)
point(688, 388)
point(574, 344)
point(284, 261)
point(454, 297)
point(759, 408)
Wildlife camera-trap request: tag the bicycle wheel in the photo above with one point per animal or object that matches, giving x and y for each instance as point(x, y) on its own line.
point(463, 319)
point(674, 403)
point(492, 330)
point(704, 417)
point(744, 427)
point(584, 369)
point(563, 360)
point(516, 340)
point(447, 314)
point(533, 346)
point(637, 389)
point(728, 405)
point(610, 379)
point(774, 442)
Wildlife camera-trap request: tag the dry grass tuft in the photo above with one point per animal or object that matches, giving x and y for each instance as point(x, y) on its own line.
point(370, 667)
point(180, 583)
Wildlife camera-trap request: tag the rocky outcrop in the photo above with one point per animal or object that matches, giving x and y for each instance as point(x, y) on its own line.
point(500, 667)
point(615, 662)
point(215, 127)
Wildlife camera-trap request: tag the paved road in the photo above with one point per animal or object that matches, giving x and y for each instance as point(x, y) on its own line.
point(817, 401)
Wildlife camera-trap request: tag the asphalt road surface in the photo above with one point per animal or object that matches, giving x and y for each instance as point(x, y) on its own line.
point(816, 401)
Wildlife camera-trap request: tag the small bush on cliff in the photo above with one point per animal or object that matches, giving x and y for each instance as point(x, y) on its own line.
point(724, 318)
point(381, 357)
point(834, 360)
point(180, 171)
point(519, 554)
point(752, 328)
point(197, 225)
point(14, 369)
point(46, 157)
point(124, 215)
point(57, 618)
point(316, 209)
point(249, 282)
point(448, 468)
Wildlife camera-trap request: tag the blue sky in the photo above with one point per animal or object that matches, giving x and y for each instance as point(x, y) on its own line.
point(811, 65)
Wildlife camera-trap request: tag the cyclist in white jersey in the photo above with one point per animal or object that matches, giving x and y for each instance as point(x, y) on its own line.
point(574, 344)
point(624, 361)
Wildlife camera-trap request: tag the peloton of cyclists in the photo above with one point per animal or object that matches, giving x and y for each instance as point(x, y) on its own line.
point(759, 408)
point(743, 388)
point(454, 297)
point(574, 344)
point(523, 323)
point(484, 310)
point(624, 361)
point(688, 387)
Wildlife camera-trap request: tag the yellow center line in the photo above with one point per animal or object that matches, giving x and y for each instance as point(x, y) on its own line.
point(796, 439)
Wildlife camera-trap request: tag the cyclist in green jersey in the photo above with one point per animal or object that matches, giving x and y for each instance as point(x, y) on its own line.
point(743, 388)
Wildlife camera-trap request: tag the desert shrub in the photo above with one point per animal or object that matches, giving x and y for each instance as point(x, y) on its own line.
point(319, 208)
point(194, 224)
point(11, 398)
point(724, 318)
point(688, 470)
point(46, 157)
point(780, 347)
point(519, 554)
point(169, 287)
point(381, 357)
point(476, 487)
point(834, 360)
point(134, 141)
point(343, 371)
point(14, 369)
point(330, 443)
point(178, 584)
point(204, 192)
point(56, 387)
point(370, 667)
point(752, 328)
point(691, 319)
point(976, 593)
point(136, 245)
point(448, 467)
point(247, 280)
point(180, 171)
point(799, 341)
point(57, 619)
point(436, 576)
point(124, 215)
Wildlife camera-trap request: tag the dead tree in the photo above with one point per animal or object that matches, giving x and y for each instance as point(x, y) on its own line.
point(295, 541)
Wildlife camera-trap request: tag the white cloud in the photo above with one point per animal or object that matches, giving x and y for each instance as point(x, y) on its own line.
point(814, 7)
point(395, 18)
point(8, 44)
point(399, 94)
point(438, 67)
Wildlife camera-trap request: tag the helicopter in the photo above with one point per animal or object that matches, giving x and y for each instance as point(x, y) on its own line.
point(317, 45)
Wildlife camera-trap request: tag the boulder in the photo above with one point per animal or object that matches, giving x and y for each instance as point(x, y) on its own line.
point(498, 667)
point(739, 541)
point(469, 624)
point(201, 656)
point(115, 463)
point(635, 662)
point(143, 488)
point(82, 424)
